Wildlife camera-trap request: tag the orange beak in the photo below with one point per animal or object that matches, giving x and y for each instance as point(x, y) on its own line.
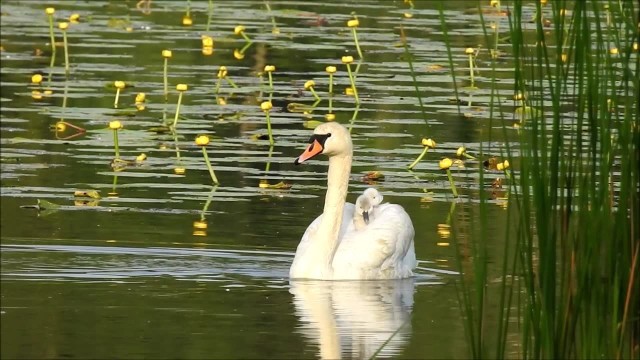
point(312, 150)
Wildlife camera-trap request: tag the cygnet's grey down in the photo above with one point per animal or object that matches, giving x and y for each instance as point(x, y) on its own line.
point(365, 207)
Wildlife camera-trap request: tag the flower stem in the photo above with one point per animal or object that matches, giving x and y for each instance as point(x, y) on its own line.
point(175, 120)
point(115, 143)
point(166, 81)
point(355, 38)
point(115, 103)
point(271, 142)
point(66, 52)
point(330, 92)
point(53, 39)
point(424, 152)
point(315, 94)
point(471, 70)
point(211, 172)
point(270, 81)
point(353, 84)
point(453, 186)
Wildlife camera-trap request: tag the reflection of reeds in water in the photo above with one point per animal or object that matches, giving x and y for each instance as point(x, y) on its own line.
point(569, 276)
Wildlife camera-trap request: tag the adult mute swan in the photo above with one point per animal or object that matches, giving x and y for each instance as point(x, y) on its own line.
point(331, 248)
point(365, 207)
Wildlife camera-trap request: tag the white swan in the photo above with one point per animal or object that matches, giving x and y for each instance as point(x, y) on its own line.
point(331, 248)
point(365, 207)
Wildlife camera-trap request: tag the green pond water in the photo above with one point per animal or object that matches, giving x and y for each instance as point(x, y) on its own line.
point(131, 275)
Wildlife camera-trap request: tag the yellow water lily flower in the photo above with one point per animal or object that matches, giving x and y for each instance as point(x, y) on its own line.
point(207, 41)
point(239, 29)
point(309, 84)
point(269, 68)
point(330, 117)
point(222, 72)
point(202, 140)
point(115, 125)
point(445, 163)
point(50, 11)
point(119, 84)
point(141, 97)
point(63, 26)
point(36, 78)
point(167, 54)
point(266, 106)
point(353, 23)
point(347, 59)
point(331, 69)
point(182, 87)
point(430, 143)
point(469, 51)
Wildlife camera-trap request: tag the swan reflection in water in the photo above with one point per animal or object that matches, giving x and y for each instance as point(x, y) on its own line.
point(354, 319)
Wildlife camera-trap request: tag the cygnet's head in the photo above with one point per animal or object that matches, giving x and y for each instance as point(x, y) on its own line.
point(329, 139)
point(374, 196)
point(364, 207)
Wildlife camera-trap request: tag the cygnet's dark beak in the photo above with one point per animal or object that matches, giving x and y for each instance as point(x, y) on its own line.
point(365, 215)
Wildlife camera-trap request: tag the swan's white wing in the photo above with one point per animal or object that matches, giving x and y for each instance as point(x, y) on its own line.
point(383, 249)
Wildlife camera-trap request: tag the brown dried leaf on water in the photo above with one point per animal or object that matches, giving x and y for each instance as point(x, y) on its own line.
point(373, 176)
point(491, 163)
point(93, 194)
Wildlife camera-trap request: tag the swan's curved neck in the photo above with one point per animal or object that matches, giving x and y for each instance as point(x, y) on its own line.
point(337, 187)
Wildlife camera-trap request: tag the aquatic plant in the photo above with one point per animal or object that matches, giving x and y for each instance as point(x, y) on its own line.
point(50, 11)
point(569, 284)
point(115, 126)
point(266, 107)
point(166, 55)
point(347, 60)
point(330, 70)
point(445, 164)
point(119, 85)
point(181, 89)
point(308, 85)
point(269, 69)
point(353, 25)
point(64, 26)
point(427, 144)
point(203, 141)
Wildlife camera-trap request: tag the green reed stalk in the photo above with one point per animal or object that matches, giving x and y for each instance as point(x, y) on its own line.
point(214, 178)
point(409, 56)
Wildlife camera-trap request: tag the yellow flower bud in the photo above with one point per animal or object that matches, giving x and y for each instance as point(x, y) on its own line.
point(635, 46)
point(331, 69)
point(266, 106)
point(613, 51)
point(48, 92)
point(408, 15)
point(115, 125)
point(36, 78)
point(202, 140)
point(167, 54)
point(140, 106)
point(518, 96)
point(564, 57)
point(563, 12)
point(207, 41)
point(543, 2)
point(429, 143)
point(63, 26)
point(142, 157)
point(469, 51)
point(186, 21)
point(182, 87)
point(238, 29)
point(461, 150)
point(222, 72)
point(36, 95)
point(141, 97)
point(348, 91)
point(239, 55)
point(503, 165)
point(445, 163)
point(60, 126)
point(309, 84)
point(50, 10)
point(179, 170)
point(330, 117)
point(347, 59)
point(222, 101)
point(494, 3)
point(269, 68)
point(119, 84)
point(74, 18)
point(353, 23)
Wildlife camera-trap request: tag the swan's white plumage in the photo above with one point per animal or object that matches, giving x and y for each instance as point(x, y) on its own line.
point(331, 248)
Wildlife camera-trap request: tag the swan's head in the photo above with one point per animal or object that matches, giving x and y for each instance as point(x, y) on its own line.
point(329, 139)
point(374, 196)
point(364, 207)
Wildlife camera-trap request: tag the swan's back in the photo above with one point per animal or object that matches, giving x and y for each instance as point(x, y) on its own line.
point(384, 249)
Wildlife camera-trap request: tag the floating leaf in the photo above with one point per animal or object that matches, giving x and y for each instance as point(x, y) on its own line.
point(94, 194)
point(311, 124)
point(279, 186)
